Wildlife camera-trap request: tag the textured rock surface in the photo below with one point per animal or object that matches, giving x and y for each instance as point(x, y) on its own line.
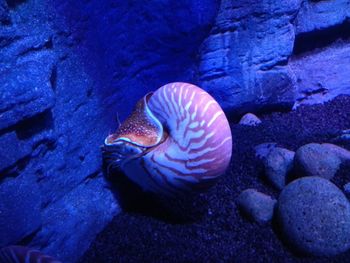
point(4, 17)
point(262, 150)
point(137, 46)
point(342, 153)
point(322, 74)
point(317, 160)
point(19, 208)
point(246, 55)
point(76, 219)
point(250, 119)
point(66, 69)
point(346, 189)
point(318, 15)
point(266, 55)
point(13, 154)
point(321, 50)
point(25, 91)
point(278, 163)
point(256, 205)
point(315, 216)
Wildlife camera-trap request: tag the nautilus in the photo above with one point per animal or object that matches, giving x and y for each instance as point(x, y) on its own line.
point(176, 140)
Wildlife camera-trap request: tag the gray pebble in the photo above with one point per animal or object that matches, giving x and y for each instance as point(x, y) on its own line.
point(343, 154)
point(278, 163)
point(263, 150)
point(250, 119)
point(316, 160)
point(256, 205)
point(314, 216)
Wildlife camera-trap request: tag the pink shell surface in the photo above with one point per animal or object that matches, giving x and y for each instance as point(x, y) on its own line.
point(199, 147)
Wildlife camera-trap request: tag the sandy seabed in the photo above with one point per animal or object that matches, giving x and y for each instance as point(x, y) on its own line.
point(209, 227)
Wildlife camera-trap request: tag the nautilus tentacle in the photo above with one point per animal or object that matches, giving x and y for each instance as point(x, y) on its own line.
point(177, 139)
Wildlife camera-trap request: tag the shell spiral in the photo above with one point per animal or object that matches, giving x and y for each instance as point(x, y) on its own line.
point(191, 145)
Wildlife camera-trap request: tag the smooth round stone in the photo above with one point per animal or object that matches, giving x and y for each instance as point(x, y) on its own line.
point(314, 216)
point(278, 163)
point(250, 119)
point(256, 205)
point(264, 149)
point(316, 160)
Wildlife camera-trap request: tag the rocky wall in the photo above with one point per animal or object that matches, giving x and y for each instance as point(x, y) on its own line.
point(67, 68)
point(263, 55)
point(321, 58)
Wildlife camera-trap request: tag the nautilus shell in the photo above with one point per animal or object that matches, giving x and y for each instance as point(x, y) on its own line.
point(177, 140)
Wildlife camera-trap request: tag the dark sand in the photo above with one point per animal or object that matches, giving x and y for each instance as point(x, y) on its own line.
point(210, 228)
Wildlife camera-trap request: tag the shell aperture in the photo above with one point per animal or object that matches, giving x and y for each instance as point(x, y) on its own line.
point(138, 133)
point(140, 128)
point(177, 139)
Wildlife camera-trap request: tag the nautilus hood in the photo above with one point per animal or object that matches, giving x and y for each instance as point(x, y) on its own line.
point(141, 128)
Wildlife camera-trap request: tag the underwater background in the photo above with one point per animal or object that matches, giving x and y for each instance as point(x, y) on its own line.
point(69, 68)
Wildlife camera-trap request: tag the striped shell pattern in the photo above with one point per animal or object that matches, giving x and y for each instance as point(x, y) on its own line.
point(177, 140)
point(20, 254)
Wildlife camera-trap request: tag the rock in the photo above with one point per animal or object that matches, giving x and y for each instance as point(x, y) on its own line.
point(256, 205)
point(267, 55)
point(250, 119)
point(75, 220)
point(318, 15)
point(51, 127)
point(316, 160)
point(314, 216)
point(20, 206)
point(278, 164)
point(57, 107)
point(263, 150)
point(315, 72)
point(346, 188)
point(246, 55)
point(320, 61)
point(4, 17)
point(151, 56)
point(16, 150)
point(343, 154)
point(25, 91)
